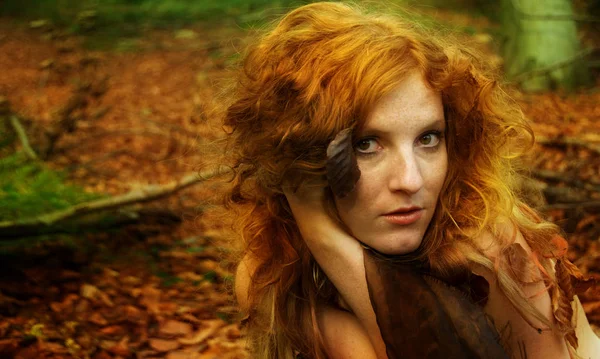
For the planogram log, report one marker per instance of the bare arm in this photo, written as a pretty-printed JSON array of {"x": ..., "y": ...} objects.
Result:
[
  {"x": 341, "y": 258},
  {"x": 345, "y": 337}
]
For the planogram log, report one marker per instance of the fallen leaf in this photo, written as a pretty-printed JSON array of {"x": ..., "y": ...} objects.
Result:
[
  {"x": 8, "y": 346},
  {"x": 189, "y": 317},
  {"x": 131, "y": 280},
  {"x": 190, "y": 276},
  {"x": 121, "y": 348},
  {"x": 168, "y": 308},
  {"x": 182, "y": 354},
  {"x": 135, "y": 292},
  {"x": 207, "y": 265},
  {"x": 67, "y": 303},
  {"x": 232, "y": 331},
  {"x": 55, "y": 306},
  {"x": 113, "y": 330},
  {"x": 82, "y": 306},
  {"x": 151, "y": 299},
  {"x": 103, "y": 355},
  {"x": 133, "y": 314},
  {"x": 97, "y": 319},
  {"x": 54, "y": 348},
  {"x": 591, "y": 307},
  {"x": 30, "y": 352},
  {"x": 93, "y": 293},
  {"x": 163, "y": 345},
  {"x": 111, "y": 273},
  {"x": 174, "y": 327},
  {"x": 67, "y": 274},
  {"x": 210, "y": 328}
]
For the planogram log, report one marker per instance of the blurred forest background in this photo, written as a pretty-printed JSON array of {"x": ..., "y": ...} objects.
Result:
[{"x": 106, "y": 247}]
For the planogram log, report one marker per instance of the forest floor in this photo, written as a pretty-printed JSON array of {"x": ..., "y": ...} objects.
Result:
[{"x": 159, "y": 289}]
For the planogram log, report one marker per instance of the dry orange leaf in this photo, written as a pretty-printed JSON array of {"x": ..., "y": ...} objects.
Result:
[
  {"x": 209, "y": 329},
  {"x": 232, "y": 331},
  {"x": 112, "y": 330},
  {"x": 133, "y": 314},
  {"x": 183, "y": 354},
  {"x": 8, "y": 345},
  {"x": 591, "y": 307},
  {"x": 98, "y": 319},
  {"x": 151, "y": 300},
  {"x": 93, "y": 293},
  {"x": 121, "y": 348},
  {"x": 103, "y": 355},
  {"x": 163, "y": 345},
  {"x": 175, "y": 327}
]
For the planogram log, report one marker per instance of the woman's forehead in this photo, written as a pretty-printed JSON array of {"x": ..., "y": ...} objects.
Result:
[{"x": 412, "y": 100}]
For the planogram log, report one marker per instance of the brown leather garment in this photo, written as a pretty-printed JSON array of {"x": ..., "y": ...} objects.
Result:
[{"x": 421, "y": 317}]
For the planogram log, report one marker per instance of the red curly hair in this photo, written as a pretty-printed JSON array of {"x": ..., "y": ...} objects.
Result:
[{"x": 321, "y": 69}]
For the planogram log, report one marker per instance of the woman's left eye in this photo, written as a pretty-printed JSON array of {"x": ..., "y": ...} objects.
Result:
[{"x": 430, "y": 139}]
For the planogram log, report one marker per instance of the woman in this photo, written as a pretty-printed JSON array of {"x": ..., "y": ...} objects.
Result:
[{"x": 428, "y": 176}]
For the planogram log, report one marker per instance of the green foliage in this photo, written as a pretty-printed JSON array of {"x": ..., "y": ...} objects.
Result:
[
  {"x": 7, "y": 136},
  {"x": 115, "y": 24},
  {"x": 168, "y": 279},
  {"x": 29, "y": 188},
  {"x": 226, "y": 317},
  {"x": 128, "y": 15},
  {"x": 211, "y": 276},
  {"x": 197, "y": 249}
]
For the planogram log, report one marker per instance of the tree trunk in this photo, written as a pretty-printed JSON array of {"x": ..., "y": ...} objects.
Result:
[{"x": 542, "y": 50}]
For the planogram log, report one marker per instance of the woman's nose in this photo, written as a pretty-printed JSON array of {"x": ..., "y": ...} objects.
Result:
[{"x": 404, "y": 173}]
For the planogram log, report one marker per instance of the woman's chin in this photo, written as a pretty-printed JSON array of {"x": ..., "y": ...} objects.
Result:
[{"x": 395, "y": 247}]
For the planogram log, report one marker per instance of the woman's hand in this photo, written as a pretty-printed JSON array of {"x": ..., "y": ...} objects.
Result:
[
  {"x": 339, "y": 255},
  {"x": 321, "y": 232}
]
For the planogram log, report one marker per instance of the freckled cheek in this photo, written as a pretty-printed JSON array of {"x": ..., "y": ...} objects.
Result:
[{"x": 439, "y": 173}]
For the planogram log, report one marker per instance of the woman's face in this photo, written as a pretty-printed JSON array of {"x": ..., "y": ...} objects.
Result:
[{"x": 401, "y": 152}]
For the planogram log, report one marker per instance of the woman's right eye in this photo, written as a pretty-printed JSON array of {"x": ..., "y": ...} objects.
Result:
[{"x": 367, "y": 146}]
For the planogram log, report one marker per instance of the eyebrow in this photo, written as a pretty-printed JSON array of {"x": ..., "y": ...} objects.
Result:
[{"x": 431, "y": 125}]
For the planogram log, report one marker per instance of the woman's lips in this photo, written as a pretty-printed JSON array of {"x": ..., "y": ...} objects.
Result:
[{"x": 404, "y": 217}]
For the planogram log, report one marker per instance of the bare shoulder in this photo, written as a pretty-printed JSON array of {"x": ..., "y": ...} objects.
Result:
[
  {"x": 519, "y": 334},
  {"x": 344, "y": 336}
]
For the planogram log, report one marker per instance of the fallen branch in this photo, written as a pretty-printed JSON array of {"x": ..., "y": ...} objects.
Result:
[
  {"x": 559, "y": 177},
  {"x": 29, "y": 152},
  {"x": 12, "y": 229},
  {"x": 104, "y": 221},
  {"x": 574, "y": 205},
  {"x": 558, "y": 17},
  {"x": 564, "y": 195},
  {"x": 4, "y": 106},
  {"x": 64, "y": 122},
  {"x": 566, "y": 141},
  {"x": 519, "y": 78}
]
